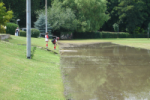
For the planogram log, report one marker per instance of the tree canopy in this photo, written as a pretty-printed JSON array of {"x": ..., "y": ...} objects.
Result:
[
  {"x": 61, "y": 18},
  {"x": 89, "y": 15},
  {"x": 78, "y": 15},
  {"x": 5, "y": 16},
  {"x": 130, "y": 13},
  {"x": 19, "y": 9},
  {"x": 40, "y": 24}
]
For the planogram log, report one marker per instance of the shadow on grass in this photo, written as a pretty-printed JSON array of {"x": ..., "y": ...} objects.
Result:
[{"x": 33, "y": 52}]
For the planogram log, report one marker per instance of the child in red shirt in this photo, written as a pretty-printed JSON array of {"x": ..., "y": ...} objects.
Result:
[{"x": 46, "y": 39}]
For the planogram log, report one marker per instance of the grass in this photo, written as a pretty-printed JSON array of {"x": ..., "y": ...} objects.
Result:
[
  {"x": 133, "y": 42},
  {"x": 29, "y": 79},
  {"x": 34, "y": 41}
]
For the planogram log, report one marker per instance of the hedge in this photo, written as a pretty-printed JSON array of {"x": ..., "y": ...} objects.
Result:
[
  {"x": 34, "y": 33},
  {"x": 91, "y": 35},
  {"x": 23, "y": 33},
  {"x": 11, "y": 27}
]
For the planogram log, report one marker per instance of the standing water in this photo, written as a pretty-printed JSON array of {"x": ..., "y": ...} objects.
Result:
[{"x": 105, "y": 72}]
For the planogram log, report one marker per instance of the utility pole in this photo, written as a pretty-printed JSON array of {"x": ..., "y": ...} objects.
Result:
[
  {"x": 28, "y": 26},
  {"x": 45, "y": 16}
]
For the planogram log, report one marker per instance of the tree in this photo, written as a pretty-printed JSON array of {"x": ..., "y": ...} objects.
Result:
[
  {"x": 113, "y": 15},
  {"x": 40, "y": 24},
  {"x": 5, "y": 16},
  {"x": 61, "y": 18},
  {"x": 148, "y": 29},
  {"x": 116, "y": 27},
  {"x": 19, "y": 9},
  {"x": 130, "y": 13},
  {"x": 91, "y": 14},
  {"x": 146, "y": 10}
]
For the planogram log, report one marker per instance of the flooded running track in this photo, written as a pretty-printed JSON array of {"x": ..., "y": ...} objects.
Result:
[{"x": 105, "y": 72}]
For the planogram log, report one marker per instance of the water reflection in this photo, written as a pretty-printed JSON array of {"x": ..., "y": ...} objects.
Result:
[{"x": 106, "y": 72}]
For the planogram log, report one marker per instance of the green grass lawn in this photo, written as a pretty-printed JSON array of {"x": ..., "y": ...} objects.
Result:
[
  {"x": 29, "y": 79},
  {"x": 34, "y": 41}
]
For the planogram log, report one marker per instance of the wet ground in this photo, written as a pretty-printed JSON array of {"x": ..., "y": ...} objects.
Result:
[{"x": 105, "y": 71}]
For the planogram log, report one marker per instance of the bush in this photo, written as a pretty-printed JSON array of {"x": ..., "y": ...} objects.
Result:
[
  {"x": 2, "y": 29},
  {"x": 23, "y": 33},
  {"x": 116, "y": 27},
  {"x": 35, "y": 33},
  {"x": 88, "y": 35},
  {"x": 11, "y": 27}
]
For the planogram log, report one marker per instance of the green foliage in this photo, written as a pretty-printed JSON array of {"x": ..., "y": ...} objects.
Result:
[
  {"x": 61, "y": 18},
  {"x": 92, "y": 35},
  {"x": 19, "y": 9},
  {"x": 35, "y": 33},
  {"x": 2, "y": 29},
  {"x": 91, "y": 14},
  {"x": 113, "y": 15},
  {"x": 130, "y": 13},
  {"x": 5, "y": 16},
  {"x": 40, "y": 23},
  {"x": 11, "y": 27},
  {"x": 146, "y": 10},
  {"x": 137, "y": 30},
  {"x": 76, "y": 15},
  {"x": 116, "y": 27},
  {"x": 23, "y": 33},
  {"x": 149, "y": 25}
]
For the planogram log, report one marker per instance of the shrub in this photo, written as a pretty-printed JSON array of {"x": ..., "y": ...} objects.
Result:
[
  {"x": 11, "y": 27},
  {"x": 88, "y": 35},
  {"x": 116, "y": 27},
  {"x": 2, "y": 29},
  {"x": 35, "y": 33},
  {"x": 23, "y": 33},
  {"x": 40, "y": 24}
]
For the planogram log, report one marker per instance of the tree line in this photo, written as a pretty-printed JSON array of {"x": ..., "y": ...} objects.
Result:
[{"x": 86, "y": 15}]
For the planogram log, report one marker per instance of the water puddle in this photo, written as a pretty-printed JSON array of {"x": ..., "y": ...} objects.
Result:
[{"x": 106, "y": 72}]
